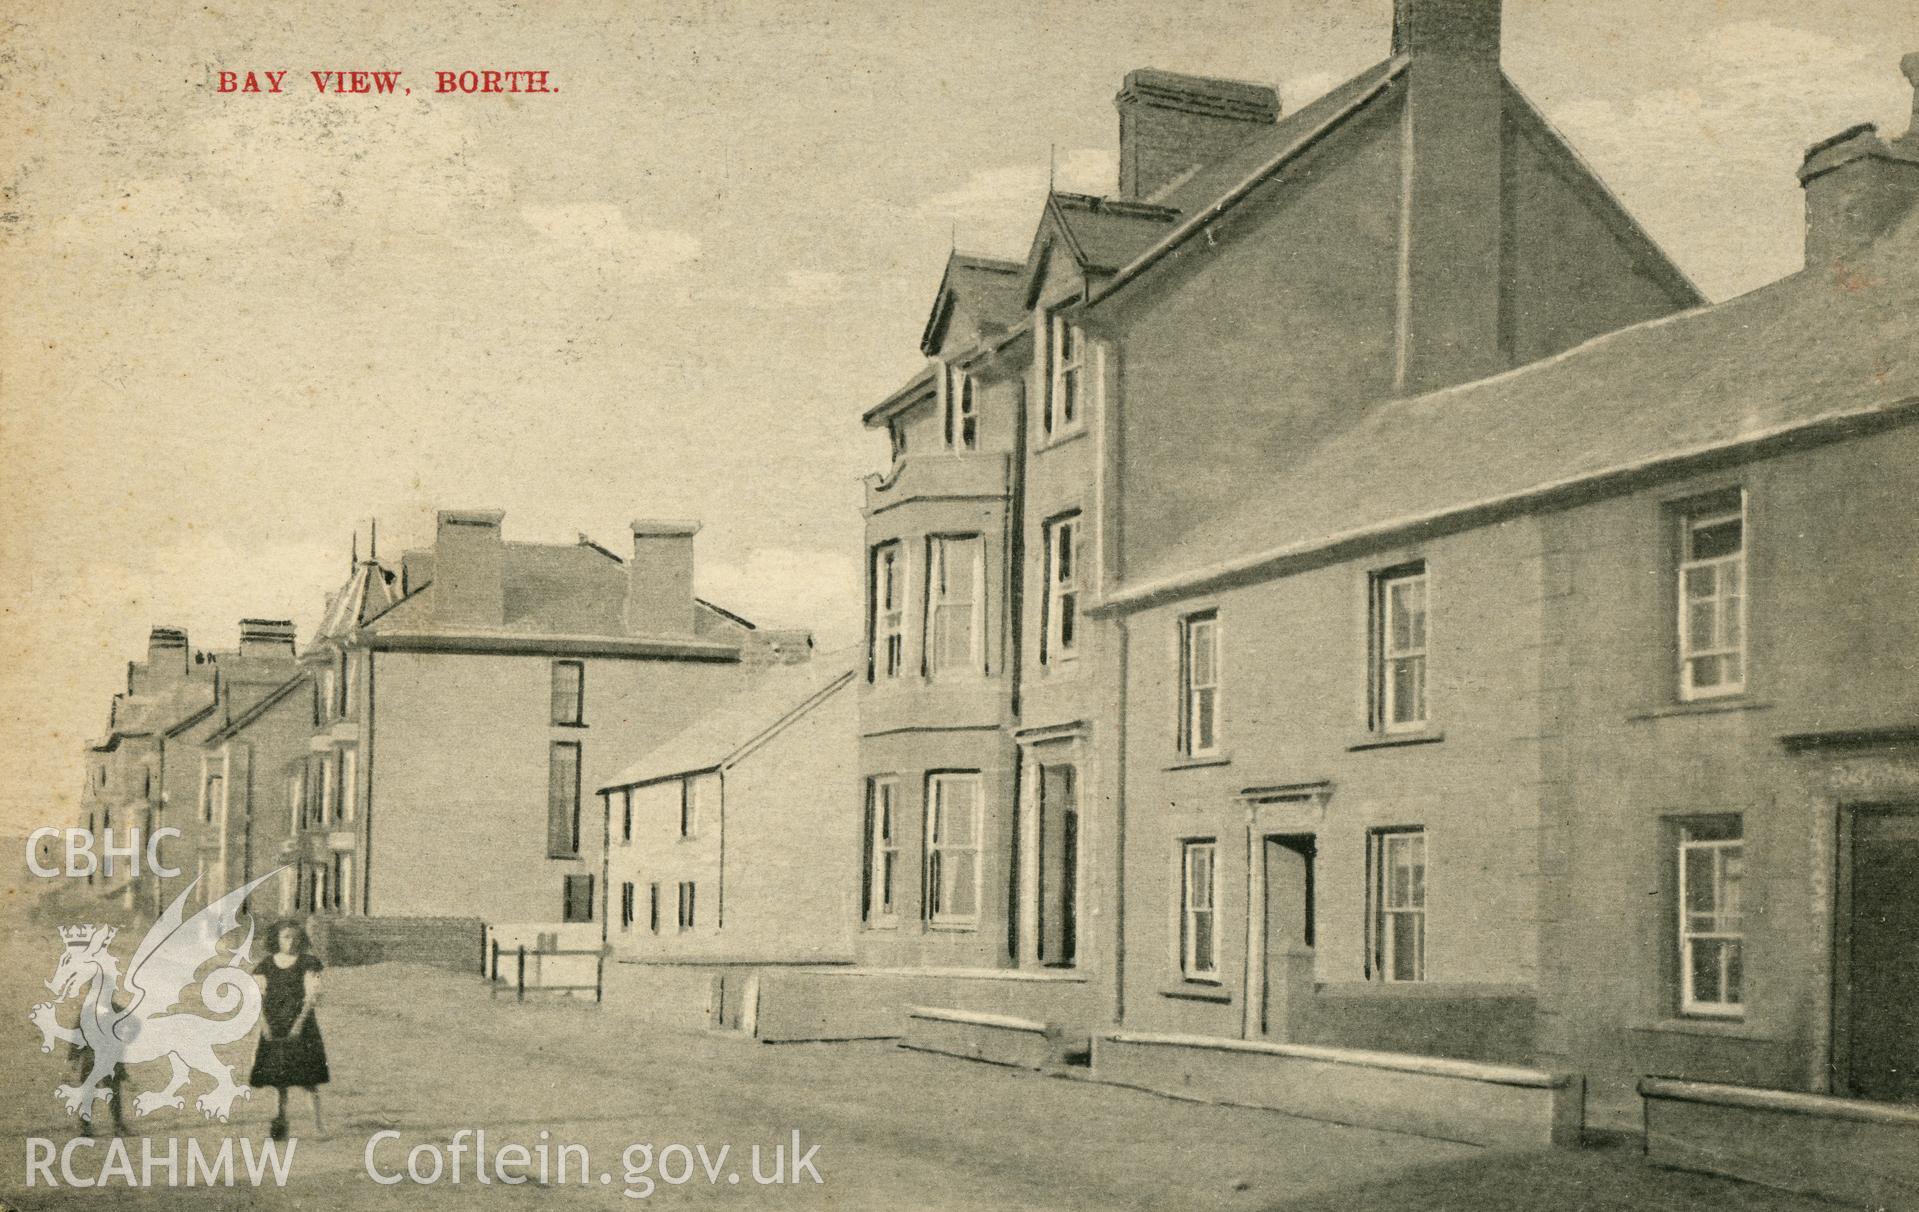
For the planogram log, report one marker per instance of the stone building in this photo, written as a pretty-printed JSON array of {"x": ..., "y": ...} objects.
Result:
[
  {"x": 1162, "y": 360},
  {"x": 146, "y": 773},
  {"x": 730, "y": 842},
  {"x": 466, "y": 709}
]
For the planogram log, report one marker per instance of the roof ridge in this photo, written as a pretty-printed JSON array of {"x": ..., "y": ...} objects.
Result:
[
  {"x": 991, "y": 264},
  {"x": 1388, "y": 72},
  {"x": 1102, "y": 203}
]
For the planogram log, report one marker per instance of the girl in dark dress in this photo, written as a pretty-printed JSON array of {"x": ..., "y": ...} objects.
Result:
[{"x": 290, "y": 1052}]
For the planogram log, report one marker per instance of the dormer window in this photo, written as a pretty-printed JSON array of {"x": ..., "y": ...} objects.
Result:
[
  {"x": 1065, "y": 404},
  {"x": 962, "y": 411}
]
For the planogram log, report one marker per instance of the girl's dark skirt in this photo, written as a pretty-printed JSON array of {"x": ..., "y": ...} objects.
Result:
[{"x": 298, "y": 1060}]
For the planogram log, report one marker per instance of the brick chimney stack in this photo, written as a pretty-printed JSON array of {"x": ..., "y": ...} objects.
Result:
[
  {"x": 659, "y": 578},
  {"x": 1452, "y": 272},
  {"x": 1170, "y": 124},
  {"x": 167, "y": 653},
  {"x": 1858, "y": 185},
  {"x": 266, "y": 637},
  {"x": 469, "y": 567}
]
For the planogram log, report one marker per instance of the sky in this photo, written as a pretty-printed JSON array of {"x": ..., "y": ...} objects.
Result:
[{"x": 236, "y": 327}]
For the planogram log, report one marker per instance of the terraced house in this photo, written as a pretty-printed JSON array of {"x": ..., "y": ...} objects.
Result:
[
  {"x": 1101, "y": 416},
  {"x": 466, "y": 709},
  {"x": 147, "y": 772}
]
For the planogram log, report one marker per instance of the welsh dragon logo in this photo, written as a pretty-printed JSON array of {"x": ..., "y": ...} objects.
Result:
[{"x": 162, "y": 968}]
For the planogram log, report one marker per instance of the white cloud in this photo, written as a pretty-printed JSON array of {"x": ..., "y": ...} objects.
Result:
[
  {"x": 995, "y": 209},
  {"x": 601, "y": 229},
  {"x": 1686, "y": 159}
]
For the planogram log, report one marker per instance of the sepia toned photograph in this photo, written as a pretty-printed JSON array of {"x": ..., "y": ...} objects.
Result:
[{"x": 1250, "y": 607}]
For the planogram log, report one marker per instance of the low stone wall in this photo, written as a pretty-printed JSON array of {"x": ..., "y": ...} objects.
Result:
[
  {"x": 999, "y": 1039},
  {"x": 446, "y": 942},
  {"x": 873, "y": 1003},
  {"x": 1473, "y": 1103},
  {"x": 1861, "y": 1153},
  {"x": 1479, "y": 1023}
]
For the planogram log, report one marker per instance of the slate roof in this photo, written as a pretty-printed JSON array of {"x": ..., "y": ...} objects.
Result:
[
  {"x": 169, "y": 710},
  {"x": 1105, "y": 233},
  {"x": 260, "y": 707},
  {"x": 368, "y": 591},
  {"x": 745, "y": 721},
  {"x": 990, "y": 290},
  {"x": 550, "y": 589},
  {"x": 1819, "y": 348},
  {"x": 1117, "y": 240}
]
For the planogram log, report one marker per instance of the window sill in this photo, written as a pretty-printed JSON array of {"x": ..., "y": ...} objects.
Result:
[
  {"x": 1055, "y": 440},
  {"x": 885, "y": 927},
  {"x": 1200, "y": 761},
  {"x": 1390, "y": 740},
  {"x": 1199, "y": 992},
  {"x": 1722, "y": 1028},
  {"x": 557, "y": 724},
  {"x": 953, "y": 927},
  {"x": 1700, "y": 707}
]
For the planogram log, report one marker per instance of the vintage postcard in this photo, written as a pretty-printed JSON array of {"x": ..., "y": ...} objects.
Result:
[{"x": 1082, "y": 605}]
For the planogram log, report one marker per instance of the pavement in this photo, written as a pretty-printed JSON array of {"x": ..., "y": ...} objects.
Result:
[{"x": 424, "y": 1053}]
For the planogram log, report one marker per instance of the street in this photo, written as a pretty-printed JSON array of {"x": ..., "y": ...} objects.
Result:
[{"x": 421, "y": 1054}]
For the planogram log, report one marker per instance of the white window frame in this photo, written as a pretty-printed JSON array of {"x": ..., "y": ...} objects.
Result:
[
  {"x": 1062, "y": 554},
  {"x": 341, "y": 881},
  {"x": 940, "y": 849},
  {"x": 1065, "y": 372},
  {"x": 349, "y": 783},
  {"x": 1728, "y": 607},
  {"x": 1195, "y": 913},
  {"x": 689, "y": 905},
  {"x": 961, "y": 410},
  {"x": 576, "y": 706},
  {"x": 1724, "y": 924},
  {"x": 883, "y": 850},
  {"x": 691, "y": 805},
  {"x": 889, "y": 610},
  {"x": 940, "y": 602},
  {"x": 1389, "y": 655},
  {"x": 1195, "y": 690},
  {"x": 1392, "y": 914},
  {"x": 213, "y": 786},
  {"x": 327, "y": 789}
]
